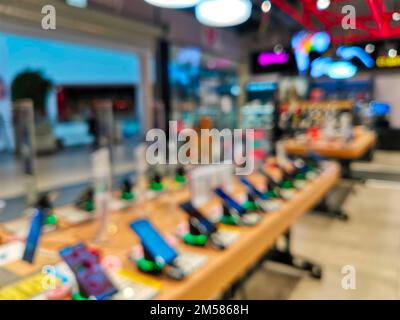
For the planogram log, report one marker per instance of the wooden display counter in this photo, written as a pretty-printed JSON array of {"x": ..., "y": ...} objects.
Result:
[
  {"x": 220, "y": 270},
  {"x": 362, "y": 143}
]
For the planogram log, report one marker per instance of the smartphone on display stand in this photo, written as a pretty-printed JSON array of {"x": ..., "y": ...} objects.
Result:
[
  {"x": 153, "y": 242},
  {"x": 91, "y": 278},
  {"x": 206, "y": 225},
  {"x": 34, "y": 234}
]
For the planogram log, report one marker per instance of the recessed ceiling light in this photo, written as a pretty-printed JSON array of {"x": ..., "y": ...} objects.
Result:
[
  {"x": 396, "y": 16},
  {"x": 173, "y": 4},
  {"x": 266, "y": 6},
  {"x": 323, "y": 4},
  {"x": 369, "y": 48},
  {"x": 392, "y": 53},
  {"x": 223, "y": 13}
]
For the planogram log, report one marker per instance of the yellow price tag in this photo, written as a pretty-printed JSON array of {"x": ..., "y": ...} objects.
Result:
[
  {"x": 26, "y": 288},
  {"x": 139, "y": 278}
]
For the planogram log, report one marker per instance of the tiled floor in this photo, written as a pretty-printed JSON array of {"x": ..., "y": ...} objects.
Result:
[{"x": 370, "y": 242}]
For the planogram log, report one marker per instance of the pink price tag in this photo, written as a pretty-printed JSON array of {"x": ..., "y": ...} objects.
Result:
[
  {"x": 60, "y": 293},
  {"x": 182, "y": 229},
  {"x": 111, "y": 263}
]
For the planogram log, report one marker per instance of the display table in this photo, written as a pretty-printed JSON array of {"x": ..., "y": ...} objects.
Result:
[
  {"x": 220, "y": 270},
  {"x": 362, "y": 143}
]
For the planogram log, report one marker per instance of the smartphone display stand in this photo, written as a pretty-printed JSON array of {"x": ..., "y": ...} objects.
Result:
[
  {"x": 251, "y": 203},
  {"x": 147, "y": 264},
  {"x": 180, "y": 175},
  {"x": 44, "y": 203},
  {"x": 126, "y": 190},
  {"x": 195, "y": 236},
  {"x": 85, "y": 201},
  {"x": 156, "y": 183},
  {"x": 228, "y": 217}
]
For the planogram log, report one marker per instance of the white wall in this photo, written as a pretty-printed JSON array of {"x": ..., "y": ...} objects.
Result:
[{"x": 387, "y": 89}]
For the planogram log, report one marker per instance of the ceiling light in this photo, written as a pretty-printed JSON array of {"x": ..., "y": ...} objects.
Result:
[
  {"x": 77, "y": 3},
  {"x": 342, "y": 70},
  {"x": 369, "y": 48},
  {"x": 173, "y": 4},
  {"x": 396, "y": 16},
  {"x": 323, "y": 4},
  {"x": 223, "y": 13},
  {"x": 392, "y": 53},
  {"x": 266, "y": 6}
]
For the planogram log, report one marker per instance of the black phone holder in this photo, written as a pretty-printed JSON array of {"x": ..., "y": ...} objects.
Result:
[
  {"x": 180, "y": 174},
  {"x": 229, "y": 217},
  {"x": 85, "y": 200},
  {"x": 126, "y": 190},
  {"x": 45, "y": 204},
  {"x": 198, "y": 236},
  {"x": 156, "y": 182}
]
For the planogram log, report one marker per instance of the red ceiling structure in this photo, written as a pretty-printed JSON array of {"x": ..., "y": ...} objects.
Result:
[{"x": 373, "y": 19}]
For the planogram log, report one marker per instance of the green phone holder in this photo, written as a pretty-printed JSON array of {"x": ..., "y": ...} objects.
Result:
[
  {"x": 272, "y": 194},
  {"x": 128, "y": 196},
  {"x": 198, "y": 240},
  {"x": 300, "y": 176},
  {"x": 287, "y": 184},
  {"x": 149, "y": 266},
  {"x": 156, "y": 186},
  {"x": 180, "y": 178},
  {"x": 229, "y": 220},
  {"x": 77, "y": 296},
  {"x": 51, "y": 219},
  {"x": 89, "y": 206},
  {"x": 250, "y": 205}
]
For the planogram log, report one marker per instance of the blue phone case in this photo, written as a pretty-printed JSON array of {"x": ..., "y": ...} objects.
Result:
[
  {"x": 230, "y": 202},
  {"x": 253, "y": 190},
  {"x": 153, "y": 242},
  {"x": 33, "y": 238}
]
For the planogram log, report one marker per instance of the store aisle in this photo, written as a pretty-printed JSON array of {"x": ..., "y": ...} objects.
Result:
[{"x": 370, "y": 242}]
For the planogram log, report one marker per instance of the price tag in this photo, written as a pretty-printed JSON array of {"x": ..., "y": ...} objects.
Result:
[
  {"x": 189, "y": 262},
  {"x": 11, "y": 252},
  {"x": 134, "y": 286},
  {"x": 74, "y": 216},
  {"x": 227, "y": 236},
  {"x": 24, "y": 289}
]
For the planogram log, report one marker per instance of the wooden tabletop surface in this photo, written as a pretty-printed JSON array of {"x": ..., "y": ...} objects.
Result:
[{"x": 363, "y": 141}]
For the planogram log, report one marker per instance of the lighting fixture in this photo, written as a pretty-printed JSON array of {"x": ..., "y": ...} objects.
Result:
[
  {"x": 392, "y": 53},
  {"x": 337, "y": 70},
  {"x": 266, "y": 6},
  {"x": 323, "y": 4},
  {"x": 173, "y": 4},
  {"x": 304, "y": 42},
  {"x": 77, "y": 3},
  {"x": 369, "y": 48},
  {"x": 270, "y": 58},
  {"x": 342, "y": 70},
  {"x": 223, "y": 13},
  {"x": 349, "y": 53},
  {"x": 396, "y": 16}
]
